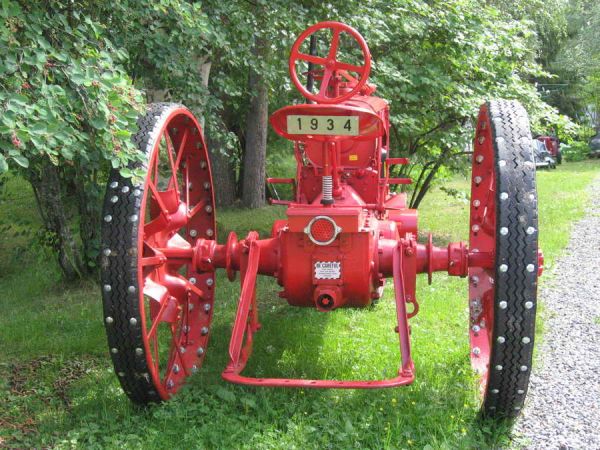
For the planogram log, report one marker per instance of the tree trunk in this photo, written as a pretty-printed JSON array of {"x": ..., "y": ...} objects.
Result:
[
  {"x": 89, "y": 206},
  {"x": 48, "y": 195},
  {"x": 253, "y": 186},
  {"x": 223, "y": 171}
]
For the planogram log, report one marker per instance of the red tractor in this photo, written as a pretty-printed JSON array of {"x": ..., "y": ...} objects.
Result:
[
  {"x": 344, "y": 235},
  {"x": 553, "y": 146}
]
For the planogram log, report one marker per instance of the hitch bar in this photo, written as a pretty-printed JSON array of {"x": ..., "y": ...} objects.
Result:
[{"x": 246, "y": 323}]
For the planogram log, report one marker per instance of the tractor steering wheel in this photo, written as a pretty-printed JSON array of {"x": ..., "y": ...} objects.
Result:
[{"x": 330, "y": 63}]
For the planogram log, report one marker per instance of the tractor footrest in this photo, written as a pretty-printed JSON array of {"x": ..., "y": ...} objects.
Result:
[{"x": 400, "y": 380}]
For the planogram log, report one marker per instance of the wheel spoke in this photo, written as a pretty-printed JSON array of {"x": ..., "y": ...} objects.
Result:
[
  {"x": 335, "y": 42},
  {"x": 312, "y": 58},
  {"x": 350, "y": 67},
  {"x": 197, "y": 208},
  {"x": 170, "y": 150},
  {"x": 181, "y": 149}
]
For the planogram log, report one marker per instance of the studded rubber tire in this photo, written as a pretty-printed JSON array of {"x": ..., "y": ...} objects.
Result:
[
  {"x": 502, "y": 335},
  {"x": 122, "y": 291}
]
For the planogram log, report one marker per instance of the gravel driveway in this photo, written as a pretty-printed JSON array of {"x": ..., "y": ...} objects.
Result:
[{"x": 563, "y": 404}]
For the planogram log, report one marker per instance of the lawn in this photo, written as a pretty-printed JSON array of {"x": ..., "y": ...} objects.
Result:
[{"x": 58, "y": 387}]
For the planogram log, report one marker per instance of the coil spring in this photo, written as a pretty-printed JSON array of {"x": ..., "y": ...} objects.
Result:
[{"x": 327, "y": 187}]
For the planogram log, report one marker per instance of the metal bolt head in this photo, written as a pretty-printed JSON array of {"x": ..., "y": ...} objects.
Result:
[
  {"x": 476, "y": 328},
  {"x": 139, "y": 351},
  {"x": 476, "y": 351},
  {"x": 481, "y": 139},
  {"x": 114, "y": 184},
  {"x": 526, "y": 340},
  {"x": 204, "y": 331},
  {"x": 200, "y": 351},
  {"x": 517, "y": 408},
  {"x": 475, "y": 279},
  {"x": 499, "y": 367},
  {"x": 503, "y": 231},
  {"x": 500, "y": 339},
  {"x": 193, "y": 233},
  {"x": 194, "y": 368},
  {"x": 193, "y": 280},
  {"x": 125, "y": 189},
  {"x": 475, "y": 228},
  {"x": 479, "y": 159},
  {"x": 203, "y": 164},
  {"x": 109, "y": 320},
  {"x": 523, "y": 368},
  {"x": 175, "y": 368},
  {"x": 114, "y": 199},
  {"x": 107, "y": 252},
  {"x": 114, "y": 351},
  {"x": 477, "y": 180},
  {"x": 210, "y": 232},
  {"x": 133, "y": 321},
  {"x": 170, "y": 384},
  {"x": 530, "y": 230},
  {"x": 207, "y": 307},
  {"x": 494, "y": 391},
  {"x": 182, "y": 349},
  {"x": 210, "y": 281},
  {"x": 503, "y": 195},
  {"x": 530, "y": 268},
  {"x": 208, "y": 208},
  {"x": 107, "y": 288},
  {"x": 502, "y": 304},
  {"x": 476, "y": 203},
  {"x": 503, "y": 268},
  {"x": 528, "y": 305},
  {"x": 131, "y": 289},
  {"x": 137, "y": 192},
  {"x": 107, "y": 218},
  {"x": 206, "y": 185}
]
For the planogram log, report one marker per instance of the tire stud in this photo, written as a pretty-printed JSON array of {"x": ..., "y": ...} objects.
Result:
[
  {"x": 109, "y": 320},
  {"x": 530, "y": 230},
  {"x": 114, "y": 184},
  {"x": 121, "y": 374},
  {"x": 125, "y": 189},
  {"x": 501, "y": 163},
  {"x": 500, "y": 339},
  {"x": 133, "y": 321},
  {"x": 106, "y": 252},
  {"x": 114, "y": 199},
  {"x": 137, "y": 192},
  {"x": 494, "y": 391},
  {"x": 528, "y": 305},
  {"x": 503, "y": 231},
  {"x": 502, "y": 304},
  {"x": 499, "y": 367},
  {"x": 131, "y": 289},
  {"x": 503, "y": 195},
  {"x": 107, "y": 218},
  {"x": 107, "y": 288},
  {"x": 530, "y": 268},
  {"x": 133, "y": 218},
  {"x": 139, "y": 351},
  {"x": 114, "y": 350},
  {"x": 523, "y": 368},
  {"x": 520, "y": 392},
  {"x": 526, "y": 340},
  {"x": 503, "y": 268}
]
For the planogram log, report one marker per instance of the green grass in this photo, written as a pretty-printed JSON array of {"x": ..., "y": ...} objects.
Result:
[{"x": 59, "y": 390}]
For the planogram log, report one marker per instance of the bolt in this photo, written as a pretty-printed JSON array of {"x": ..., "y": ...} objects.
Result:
[
  {"x": 193, "y": 280},
  {"x": 481, "y": 139},
  {"x": 206, "y": 185},
  {"x": 121, "y": 374},
  {"x": 210, "y": 232},
  {"x": 208, "y": 208},
  {"x": 193, "y": 233},
  {"x": 190, "y": 186},
  {"x": 114, "y": 184},
  {"x": 139, "y": 351},
  {"x": 109, "y": 320},
  {"x": 503, "y": 195},
  {"x": 475, "y": 228},
  {"x": 501, "y": 340},
  {"x": 107, "y": 288},
  {"x": 194, "y": 368},
  {"x": 114, "y": 199},
  {"x": 526, "y": 340},
  {"x": 182, "y": 349},
  {"x": 528, "y": 305},
  {"x": 170, "y": 384},
  {"x": 125, "y": 189},
  {"x": 200, "y": 351},
  {"x": 477, "y": 180},
  {"x": 530, "y": 267},
  {"x": 175, "y": 369},
  {"x": 191, "y": 307},
  {"x": 530, "y": 230},
  {"x": 503, "y": 231},
  {"x": 114, "y": 351},
  {"x": 106, "y": 252},
  {"x": 475, "y": 279},
  {"x": 131, "y": 289},
  {"x": 503, "y": 267},
  {"x": 476, "y": 351},
  {"x": 523, "y": 368},
  {"x": 203, "y": 164},
  {"x": 476, "y": 203},
  {"x": 479, "y": 159},
  {"x": 499, "y": 367},
  {"x": 133, "y": 321},
  {"x": 210, "y": 282},
  {"x": 503, "y": 304},
  {"x": 107, "y": 218},
  {"x": 207, "y": 307},
  {"x": 476, "y": 328},
  {"x": 204, "y": 331}
]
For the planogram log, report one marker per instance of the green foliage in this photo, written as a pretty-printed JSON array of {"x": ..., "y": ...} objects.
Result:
[
  {"x": 576, "y": 151},
  {"x": 63, "y": 95}
]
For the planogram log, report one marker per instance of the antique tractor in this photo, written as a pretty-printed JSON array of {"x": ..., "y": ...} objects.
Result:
[{"x": 344, "y": 235}]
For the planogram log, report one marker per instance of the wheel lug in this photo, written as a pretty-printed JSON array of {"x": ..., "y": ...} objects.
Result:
[{"x": 193, "y": 233}]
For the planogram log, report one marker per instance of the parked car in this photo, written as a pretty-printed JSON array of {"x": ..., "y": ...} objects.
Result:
[
  {"x": 595, "y": 146},
  {"x": 542, "y": 156},
  {"x": 553, "y": 146}
]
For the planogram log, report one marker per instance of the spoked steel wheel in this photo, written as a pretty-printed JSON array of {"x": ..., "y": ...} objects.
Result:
[
  {"x": 157, "y": 309},
  {"x": 503, "y": 224}
]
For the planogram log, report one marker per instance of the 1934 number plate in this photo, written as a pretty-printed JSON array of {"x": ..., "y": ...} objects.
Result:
[{"x": 326, "y": 125}]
